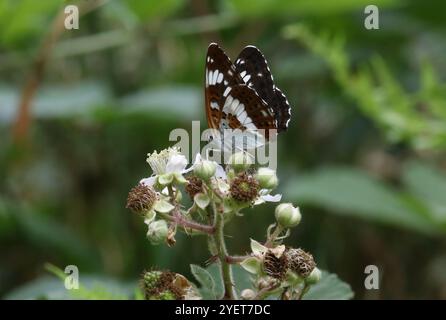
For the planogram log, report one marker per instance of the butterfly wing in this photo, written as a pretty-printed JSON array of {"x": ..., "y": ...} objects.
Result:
[
  {"x": 254, "y": 70},
  {"x": 220, "y": 75}
]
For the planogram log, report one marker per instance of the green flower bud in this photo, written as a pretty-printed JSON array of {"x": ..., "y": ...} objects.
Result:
[
  {"x": 157, "y": 232},
  {"x": 240, "y": 161},
  {"x": 287, "y": 216},
  {"x": 205, "y": 169},
  {"x": 314, "y": 277},
  {"x": 267, "y": 178}
]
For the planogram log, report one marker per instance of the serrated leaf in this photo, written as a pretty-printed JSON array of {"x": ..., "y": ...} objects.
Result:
[
  {"x": 208, "y": 288},
  {"x": 330, "y": 287}
]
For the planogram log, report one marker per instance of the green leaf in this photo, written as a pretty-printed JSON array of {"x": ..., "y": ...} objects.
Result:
[
  {"x": 208, "y": 288},
  {"x": 427, "y": 184},
  {"x": 330, "y": 287},
  {"x": 353, "y": 192},
  {"x": 90, "y": 287}
]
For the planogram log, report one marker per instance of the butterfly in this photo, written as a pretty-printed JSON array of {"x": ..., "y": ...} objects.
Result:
[{"x": 242, "y": 96}]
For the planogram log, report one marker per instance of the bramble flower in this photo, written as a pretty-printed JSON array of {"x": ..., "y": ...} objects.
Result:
[{"x": 168, "y": 166}]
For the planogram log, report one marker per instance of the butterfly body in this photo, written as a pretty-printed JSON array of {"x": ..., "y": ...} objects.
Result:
[{"x": 242, "y": 96}]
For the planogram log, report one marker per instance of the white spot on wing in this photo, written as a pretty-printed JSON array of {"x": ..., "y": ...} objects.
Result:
[
  {"x": 233, "y": 105},
  {"x": 242, "y": 74},
  {"x": 227, "y": 103},
  {"x": 220, "y": 77},
  {"x": 210, "y": 77},
  {"x": 214, "y": 77},
  {"x": 227, "y": 90},
  {"x": 246, "y": 79},
  {"x": 214, "y": 105},
  {"x": 242, "y": 116}
]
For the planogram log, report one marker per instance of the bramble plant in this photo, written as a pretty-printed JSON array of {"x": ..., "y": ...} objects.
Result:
[{"x": 218, "y": 196}]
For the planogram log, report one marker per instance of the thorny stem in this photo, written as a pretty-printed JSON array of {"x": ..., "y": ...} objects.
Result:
[
  {"x": 222, "y": 252},
  {"x": 180, "y": 220},
  {"x": 236, "y": 259}
]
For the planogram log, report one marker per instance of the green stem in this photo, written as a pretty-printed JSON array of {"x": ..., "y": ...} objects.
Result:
[{"x": 222, "y": 252}]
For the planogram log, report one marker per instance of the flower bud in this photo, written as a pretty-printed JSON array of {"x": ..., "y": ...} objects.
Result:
[
  {"x": 267, "y": 178},
  {"x": 287, "y": 216},
  {"x": 158, "y": 231},
  {"x": 205, "y": 169},
  {"x": 314, "y": 277},
  {"x": 240, "y": 161},
  {"x": 247, "y": 294}
]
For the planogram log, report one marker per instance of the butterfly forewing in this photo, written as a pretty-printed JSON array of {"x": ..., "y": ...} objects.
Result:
[
  {"x": 221, "y": 76},
  {"x": 254, "y": 70}
]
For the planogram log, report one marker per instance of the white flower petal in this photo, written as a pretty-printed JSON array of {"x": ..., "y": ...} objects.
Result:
[
  {"x": 220, "y": 172},
  {"x": 272, "y": 198},
  {"x": 150, "y": 181},
  {"x": 176, "y": 163}
]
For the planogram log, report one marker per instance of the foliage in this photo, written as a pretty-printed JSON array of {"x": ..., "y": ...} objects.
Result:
[{"x": 417, "y": 117}]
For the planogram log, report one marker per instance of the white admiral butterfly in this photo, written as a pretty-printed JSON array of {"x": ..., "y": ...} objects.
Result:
[{"x": 242, "y": 95}]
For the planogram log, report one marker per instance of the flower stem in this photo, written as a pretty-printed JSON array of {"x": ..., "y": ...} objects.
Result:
[
  {"x": 180, "y": 220},
  {"x": 269, "y": 242},
  {"x": 226, "y": 270}
]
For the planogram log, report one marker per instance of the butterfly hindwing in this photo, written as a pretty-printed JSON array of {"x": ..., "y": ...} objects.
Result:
[{"x": 254, "y": 70}]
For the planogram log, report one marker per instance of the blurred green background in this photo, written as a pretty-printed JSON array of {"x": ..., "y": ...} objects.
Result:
[{"x": 364, "y": 156}]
